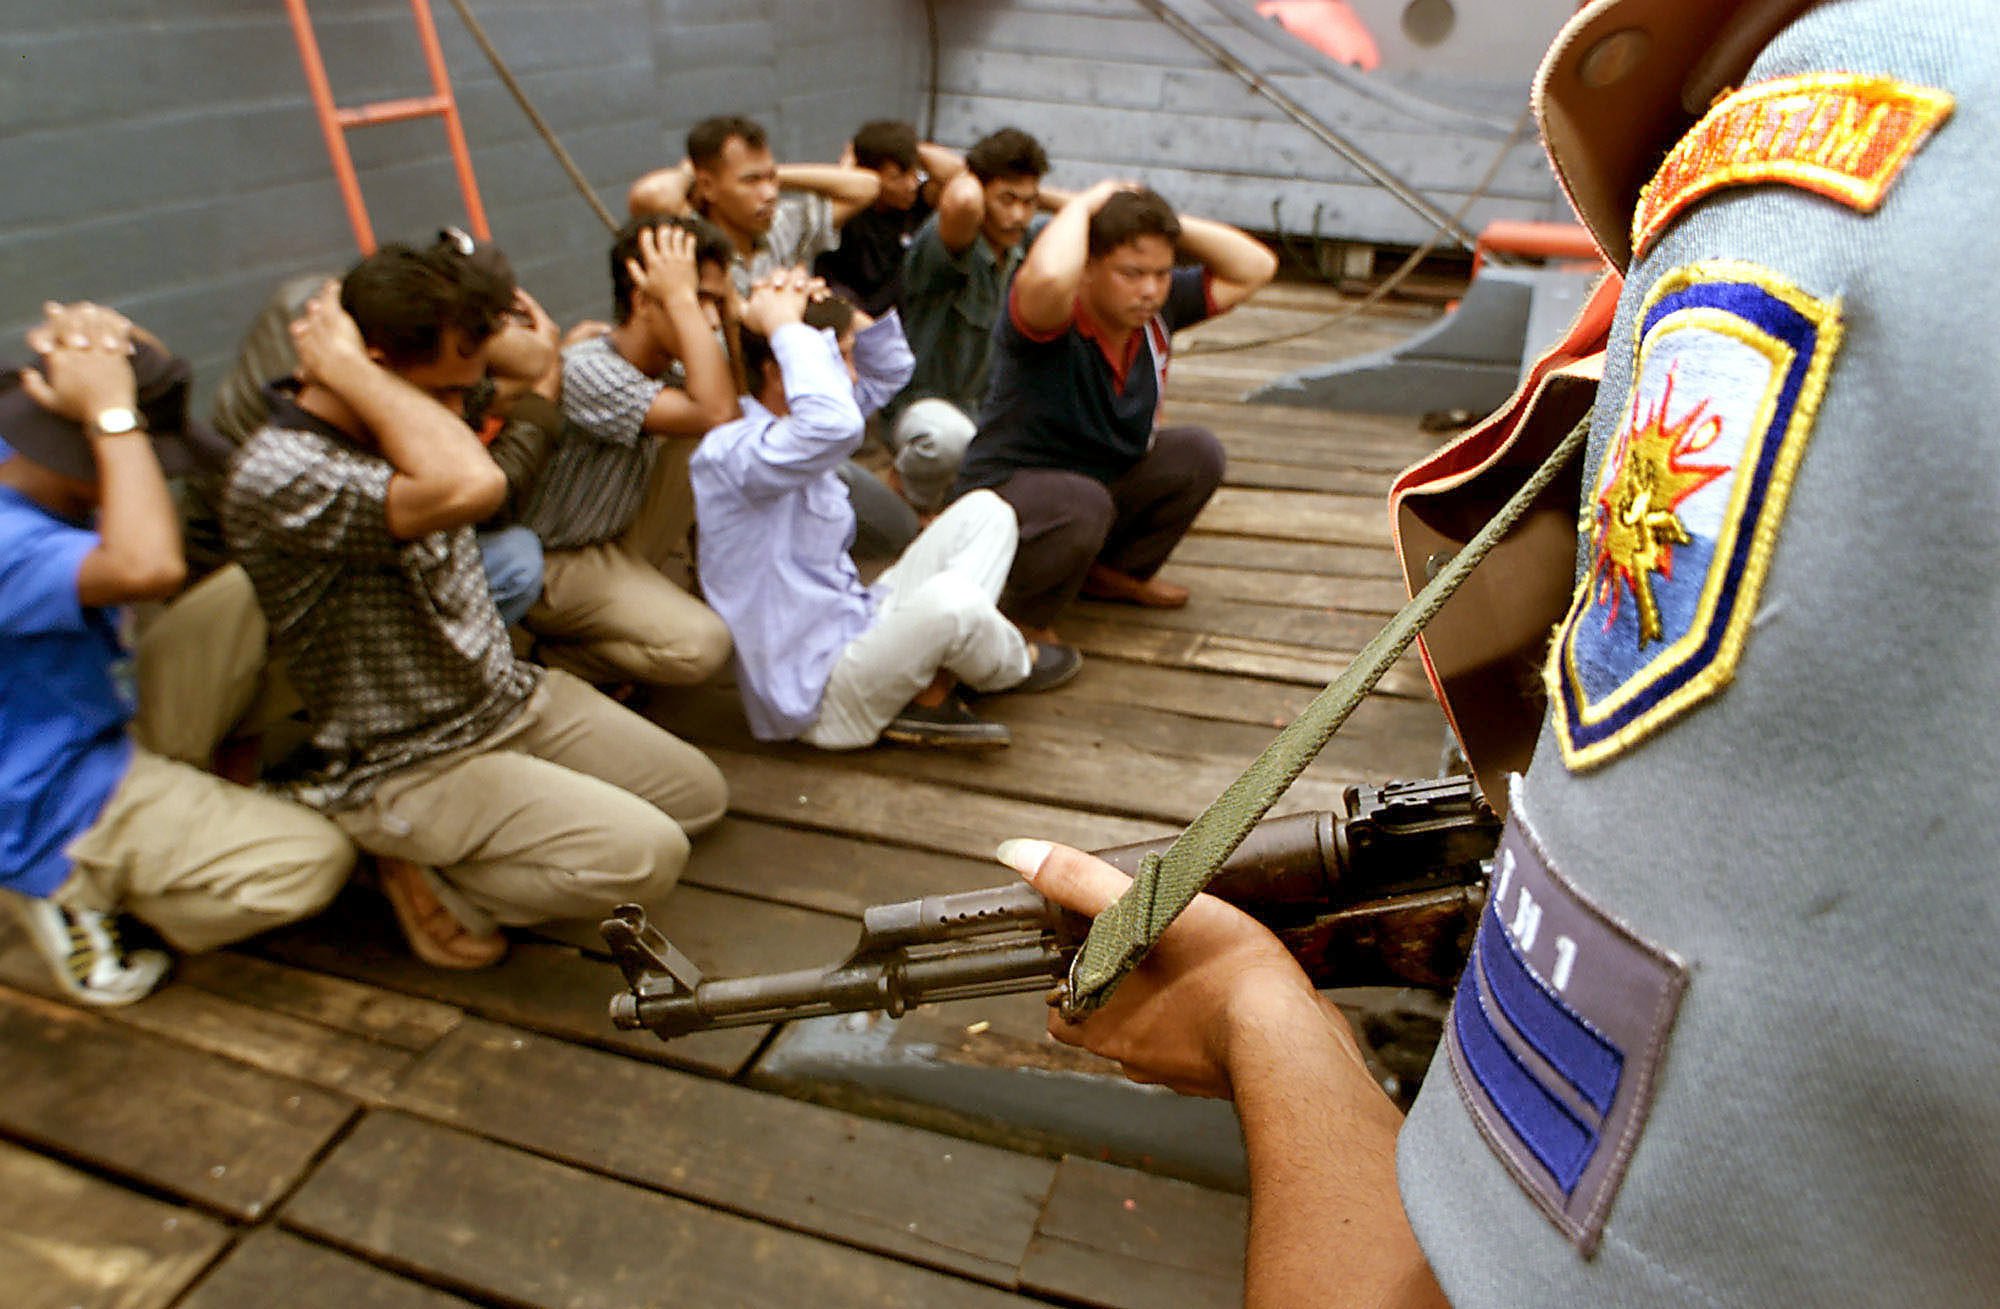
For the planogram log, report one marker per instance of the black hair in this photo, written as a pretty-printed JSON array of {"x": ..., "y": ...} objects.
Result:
[
  {"x": 711, "y": 246},
  {"x": 830, "y": 311},
  {"x": 1129, "y": 215},
  {"x": 756, "y": 353},
  {"x": 886, "y": 141},
  {"x": 706, "y": 139},
  {"x": 404, "y": 299},
  {"x": 1009, "y": 152}
]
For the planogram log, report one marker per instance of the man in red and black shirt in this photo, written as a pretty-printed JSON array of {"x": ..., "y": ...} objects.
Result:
[{"x": 1068, "y": 433}]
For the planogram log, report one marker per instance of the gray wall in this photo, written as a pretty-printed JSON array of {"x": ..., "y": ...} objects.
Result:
[
  {"x": 162, "y": 155},
  {"x": 1164, "y": 112}
]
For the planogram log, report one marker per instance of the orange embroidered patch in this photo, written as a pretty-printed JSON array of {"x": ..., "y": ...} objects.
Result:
[{"x": 1845, "y": 136}]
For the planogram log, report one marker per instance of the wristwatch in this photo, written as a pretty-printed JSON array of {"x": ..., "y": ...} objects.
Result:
[{"x": 115, "y": 422}]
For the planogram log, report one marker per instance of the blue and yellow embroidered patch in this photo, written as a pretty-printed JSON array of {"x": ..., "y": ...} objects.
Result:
[
  {"x": 1845, "y": 136},
  {"x": 1730, "y": 365}
]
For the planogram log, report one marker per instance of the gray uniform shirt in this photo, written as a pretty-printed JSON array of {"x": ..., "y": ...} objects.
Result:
[{"x": 1734, "y": 1038}]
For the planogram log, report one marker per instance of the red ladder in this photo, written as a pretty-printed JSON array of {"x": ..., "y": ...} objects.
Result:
[{"x": 335, "y": 122}]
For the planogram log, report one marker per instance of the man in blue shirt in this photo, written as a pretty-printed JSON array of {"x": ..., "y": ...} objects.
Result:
[
  {"x": 819, "y": 656},
  {"x": 90, "y": 822}
]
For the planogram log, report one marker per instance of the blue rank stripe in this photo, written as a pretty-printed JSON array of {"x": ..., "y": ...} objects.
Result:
[
  {"x": 1560, "y": 1141},
  {"x": 1551, "y": 1028}
]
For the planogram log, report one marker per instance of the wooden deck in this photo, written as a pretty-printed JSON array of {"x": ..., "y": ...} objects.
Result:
[{"x": 317, "y": 1120}]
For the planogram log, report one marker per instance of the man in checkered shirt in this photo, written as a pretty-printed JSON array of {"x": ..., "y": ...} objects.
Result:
[
  {"x": 612, "y": 505},
  {"x": 492, "y": 793}
]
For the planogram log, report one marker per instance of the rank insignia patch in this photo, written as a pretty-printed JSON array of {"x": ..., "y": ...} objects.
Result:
[
  {"x": 1684, "y": 511},
  {"x": 1557, "y": 1035},
  {"x": 1841, "y": 135}
]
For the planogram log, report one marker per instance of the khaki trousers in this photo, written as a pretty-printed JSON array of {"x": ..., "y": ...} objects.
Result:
[
  {"x": 620, "y": 611},
  {"x": 204, "y": 671},
  {"x": 580, "y": 806},
  {"x": 203, "y": 861}
]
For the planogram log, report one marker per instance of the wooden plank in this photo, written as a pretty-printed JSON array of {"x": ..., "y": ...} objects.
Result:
[
  {"x": 226, "y": 1136},
  {"x": 1305, "y": 477},
  {"x": 268, "y": 1267},
  {"x": 819, "y": 870},
  {"x": 68, "y": 1239},
  {"x": 1220, "y": 749},
  {"x": 450, "y": 1207},
  {"x": 541, "y": 985},
  {"x": 1288, "y": 556},
  {"x": 1394, "y": 733},
  {"x": 926, "y": 815},
  {"x": 403, "y": 1021},
  {"x": 276, "y": 1042},
  {"x": 1078, "y": 764},
  {"x": 1383, "y": 596},
  {"x": 1210, "y": 612},
  {"x": 1295, "y": 516},
  {"x": 1221, "y": 653},
  {"x": 935, "y": 1200},
  {"x": 1119, "y": 1238}
]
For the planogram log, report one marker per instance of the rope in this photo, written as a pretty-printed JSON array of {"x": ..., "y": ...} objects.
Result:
[
  {"x": 1125, "y": 933},
  {"x": 534, "y": 116},
  {"x": 1395, "y": 279}
]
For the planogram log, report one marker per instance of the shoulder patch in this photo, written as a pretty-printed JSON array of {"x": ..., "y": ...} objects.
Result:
[
  {"x": 1730, "y": 365},
  {"x": 1845, "y": 136},
  {"x": 1557, "y": 1034}
]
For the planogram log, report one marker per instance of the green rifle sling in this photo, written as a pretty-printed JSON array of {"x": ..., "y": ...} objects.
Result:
[{"x": 1167, "y": 883}]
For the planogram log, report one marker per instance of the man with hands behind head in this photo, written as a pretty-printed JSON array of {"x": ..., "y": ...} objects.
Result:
[
  {"x": 1069, "y": 435},
  {"x": 612, "y": 506},
  {"x": 491, "y": 792},
  {"x": 819, "y": 656},
  {"x": 92, "y": 824},
  {"x": 955, "y": 278}
]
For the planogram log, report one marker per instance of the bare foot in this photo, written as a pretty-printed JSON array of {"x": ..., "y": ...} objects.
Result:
[{"x": 1103, "y": 583}]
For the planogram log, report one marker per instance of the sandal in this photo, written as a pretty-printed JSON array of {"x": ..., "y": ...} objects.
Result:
[{"x": 434, "y": 934}]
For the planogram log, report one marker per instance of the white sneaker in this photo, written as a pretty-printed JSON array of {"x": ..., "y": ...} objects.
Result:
[{"x": 87, "y": 956}]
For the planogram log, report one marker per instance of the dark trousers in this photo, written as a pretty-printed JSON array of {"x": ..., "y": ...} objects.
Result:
[{"x": 1070, "y": 521}]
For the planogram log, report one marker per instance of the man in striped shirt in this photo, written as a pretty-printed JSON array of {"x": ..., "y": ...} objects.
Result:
[{"x": 613, "y": 506}]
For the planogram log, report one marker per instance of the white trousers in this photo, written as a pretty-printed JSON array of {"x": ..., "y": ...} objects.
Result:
[{"x": 935, "y": 609}]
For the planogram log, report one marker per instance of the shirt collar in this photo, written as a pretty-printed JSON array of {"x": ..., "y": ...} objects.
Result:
[{"x": 1091, "y": 330}]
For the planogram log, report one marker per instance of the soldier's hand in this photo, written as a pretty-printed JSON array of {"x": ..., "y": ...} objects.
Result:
[
  {"x": 325, "y": 337},
  {"x": 1174, "y": 1018},
  {"x": 86, "y": 361}
]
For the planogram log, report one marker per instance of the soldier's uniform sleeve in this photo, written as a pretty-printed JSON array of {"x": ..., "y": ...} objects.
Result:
[{"x": 1728, "y": 1036}]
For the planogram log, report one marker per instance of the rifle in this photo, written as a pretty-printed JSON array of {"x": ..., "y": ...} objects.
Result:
[{"x": 1387, "y": 894}]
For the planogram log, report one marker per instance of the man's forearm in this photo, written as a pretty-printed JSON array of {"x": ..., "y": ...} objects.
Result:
[
  {"x": 940, "y": 163},
  {"x": 1229, "y": 253},
  {"x": 1326, "y": 1224},
  {"x": 449, "y": 478},
  {"x": 1049, "y": 277},
  {"x": 851, "y": 186},
  {"x": 138, "y": 529},
  {"x": 709, "y": 382}
]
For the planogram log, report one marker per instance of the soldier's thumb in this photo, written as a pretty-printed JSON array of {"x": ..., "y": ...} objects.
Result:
[{"x": 1067, "y": 876}]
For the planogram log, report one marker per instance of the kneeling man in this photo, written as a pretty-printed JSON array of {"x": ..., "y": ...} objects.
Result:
[{"x": 819, "y": 656}]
